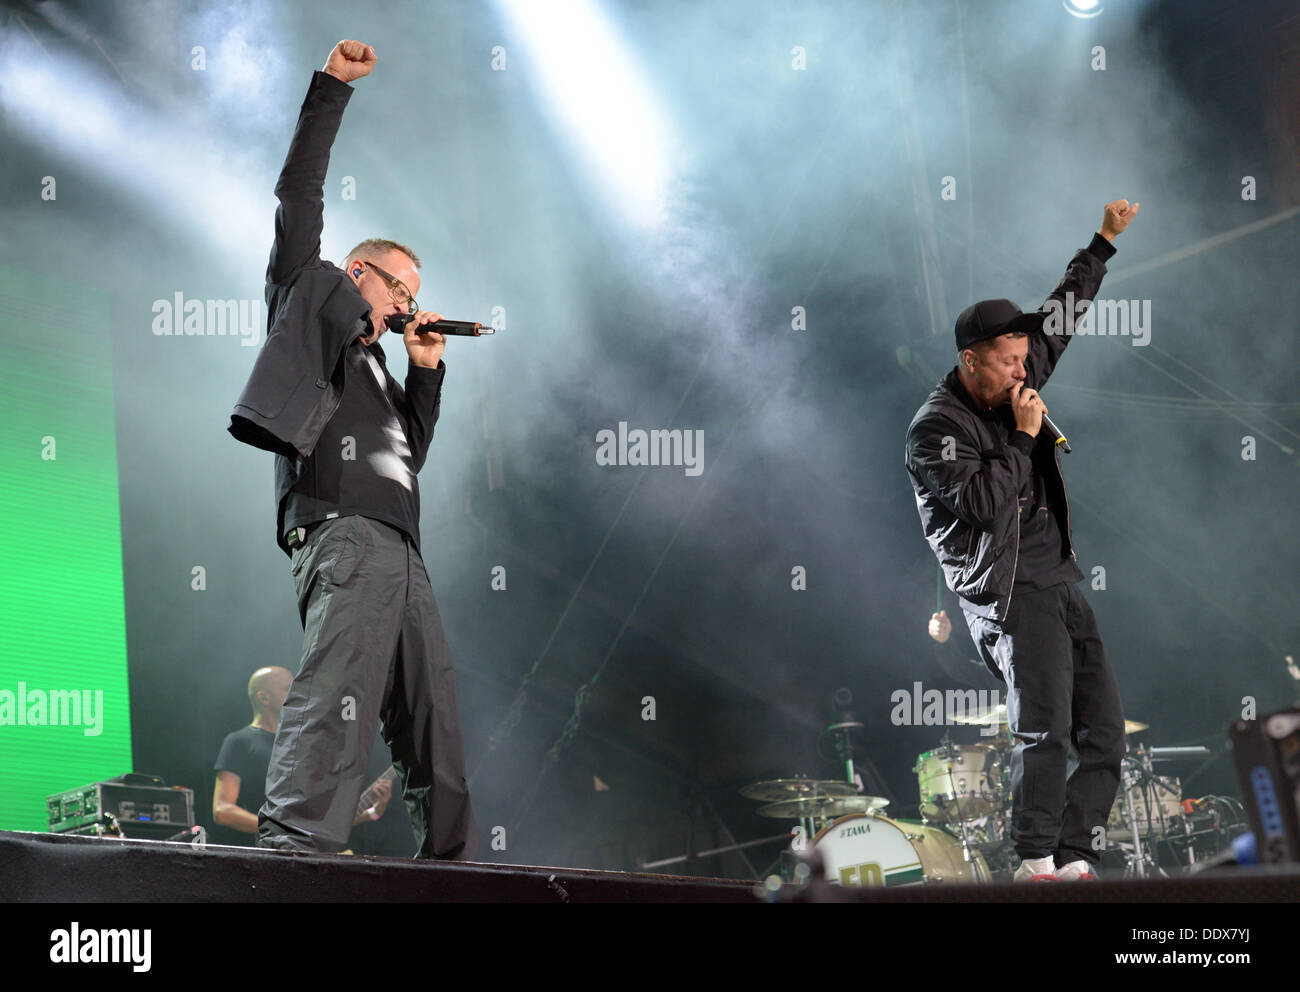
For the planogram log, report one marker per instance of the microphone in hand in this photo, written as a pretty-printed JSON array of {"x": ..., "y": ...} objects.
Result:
[
  {"x": 1055, "y": 434},
  {"x": 397, "y": 323}
]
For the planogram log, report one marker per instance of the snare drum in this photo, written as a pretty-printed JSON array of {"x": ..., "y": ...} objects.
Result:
[
  {"x": 960, "y": 782},
  {"x": 867, "y": 849}
]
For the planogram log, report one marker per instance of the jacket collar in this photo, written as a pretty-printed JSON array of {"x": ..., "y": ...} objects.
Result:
[{"x": 955, "y": 385}]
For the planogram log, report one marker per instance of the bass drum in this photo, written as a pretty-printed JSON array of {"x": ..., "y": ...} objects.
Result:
[{"x": 866, "y": 849}]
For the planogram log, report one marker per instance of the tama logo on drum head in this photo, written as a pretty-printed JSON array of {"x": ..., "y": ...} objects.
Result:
[
  {"x": 872, "y": 849},
  {"x": 920, "y": 707}
]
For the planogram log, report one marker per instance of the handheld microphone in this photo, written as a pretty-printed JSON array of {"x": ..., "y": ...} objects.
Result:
[
  {"x": 467, "y": 328},
  {"x": 1055, "y": 434}
]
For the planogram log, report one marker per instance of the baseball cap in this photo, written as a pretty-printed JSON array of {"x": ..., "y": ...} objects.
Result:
[{"x": 989, "y": 318}]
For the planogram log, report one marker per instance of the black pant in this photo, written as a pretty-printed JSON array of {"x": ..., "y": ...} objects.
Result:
[
  {"x": 1060, "y": 691},
  {"x": 373, "y": 650}
]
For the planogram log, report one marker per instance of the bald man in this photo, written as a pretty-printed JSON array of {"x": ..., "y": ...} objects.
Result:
[{"x": 241, "y": 764}]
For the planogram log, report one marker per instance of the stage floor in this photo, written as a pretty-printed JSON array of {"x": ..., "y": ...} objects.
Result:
[{"x": 61, "y": 868}]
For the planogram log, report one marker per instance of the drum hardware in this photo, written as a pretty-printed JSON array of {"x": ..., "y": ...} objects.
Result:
[
  {"x": 1151, "y": 809},
  {"x": 1136, "y": 864},
  {"x": 812, "y": 802},
  {"x": 1194, "y": 839},
  {"x": 1177, "y": 753},
  {"x": 842, "y": 724},
  {"x": 961, "y": 820},
  {"x": 842, "y": 732},
  {"x": 1138, "y": 778},
  {"x": 712, "y": 852}
]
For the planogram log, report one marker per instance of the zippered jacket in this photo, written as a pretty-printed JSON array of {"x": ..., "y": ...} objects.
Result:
[
  {"x": 968, "y": 469},
  {"x": 314, "y": 310}
]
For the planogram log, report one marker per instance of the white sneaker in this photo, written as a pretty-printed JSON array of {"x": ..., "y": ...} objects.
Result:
[
  {"x": 1076, "y": 871},
  {"x": 1036, "y": 870}
]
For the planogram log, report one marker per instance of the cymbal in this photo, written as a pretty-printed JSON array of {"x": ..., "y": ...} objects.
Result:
[
  {"x": 996, "y": 715},
  {"x": 827, "y": 807},
  {"x": 793, "y": 788}
]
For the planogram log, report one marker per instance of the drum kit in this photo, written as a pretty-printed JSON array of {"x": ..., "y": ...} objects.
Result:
[
  {"x": 964, "y": 834},
  {"x": 858, "y": 843},
  {"x": 1153, "y": 826}
]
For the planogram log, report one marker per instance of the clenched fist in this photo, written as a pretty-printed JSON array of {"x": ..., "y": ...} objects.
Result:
[
  {"x": 1028, "y": 409},
  {"x": 1116, "y": 218},
  {"x": 423, "y": 343},
  {"x": 350, "y": 60}
]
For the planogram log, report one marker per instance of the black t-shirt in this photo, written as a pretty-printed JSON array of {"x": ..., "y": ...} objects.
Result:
[
  {"x": 1044, "y": 559},
  {"x": 370, "y": 451},
  {"x": 246, "y": 753}
]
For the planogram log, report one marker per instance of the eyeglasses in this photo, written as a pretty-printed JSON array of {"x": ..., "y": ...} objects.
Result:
[{"x": 396, "y": 290}]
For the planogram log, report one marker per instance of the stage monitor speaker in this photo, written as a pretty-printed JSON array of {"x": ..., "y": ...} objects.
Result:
[{"x": 1267, "y": 756}]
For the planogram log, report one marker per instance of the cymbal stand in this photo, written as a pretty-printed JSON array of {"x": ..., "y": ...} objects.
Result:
[
  {"x": 1137, "y": 860},
  {"x": 844, "y": 746},
  {"x": 1138, "y": 774}
]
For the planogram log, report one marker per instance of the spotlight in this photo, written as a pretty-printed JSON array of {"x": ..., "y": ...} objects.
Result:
[
  {"x": 595, "y": 90},
  {"x": 1083, "y": 8}
]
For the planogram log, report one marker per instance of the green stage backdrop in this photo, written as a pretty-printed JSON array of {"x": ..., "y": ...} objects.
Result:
[{"x": 64, "y": 706}]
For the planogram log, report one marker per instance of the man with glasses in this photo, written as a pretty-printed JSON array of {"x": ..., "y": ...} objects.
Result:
[{"x": 349, "y": 441}]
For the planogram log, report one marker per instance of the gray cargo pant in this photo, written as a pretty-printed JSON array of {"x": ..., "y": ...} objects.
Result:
[{"x": 373, "y": 650}]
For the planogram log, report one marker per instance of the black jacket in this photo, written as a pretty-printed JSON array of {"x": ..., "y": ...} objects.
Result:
[
  {"x": 969, "y": 501},
  {"x": 314, "y": 311}
]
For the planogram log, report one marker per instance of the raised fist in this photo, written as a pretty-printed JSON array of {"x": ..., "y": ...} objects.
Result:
[
  {"x": 350, "y": 60},
  {"x": 1116, "y": 217}
]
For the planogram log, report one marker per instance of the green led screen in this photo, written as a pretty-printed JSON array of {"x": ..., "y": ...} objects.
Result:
[{"x": 64, "y": 707}]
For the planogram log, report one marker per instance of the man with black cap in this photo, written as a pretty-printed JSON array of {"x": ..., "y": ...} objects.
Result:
[{"x": 993, "y": 507}]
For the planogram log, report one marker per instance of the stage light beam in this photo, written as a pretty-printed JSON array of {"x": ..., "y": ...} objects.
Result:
[
  {"x": 67, "y": 109},
  {"x": 597, "y": 94}
]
